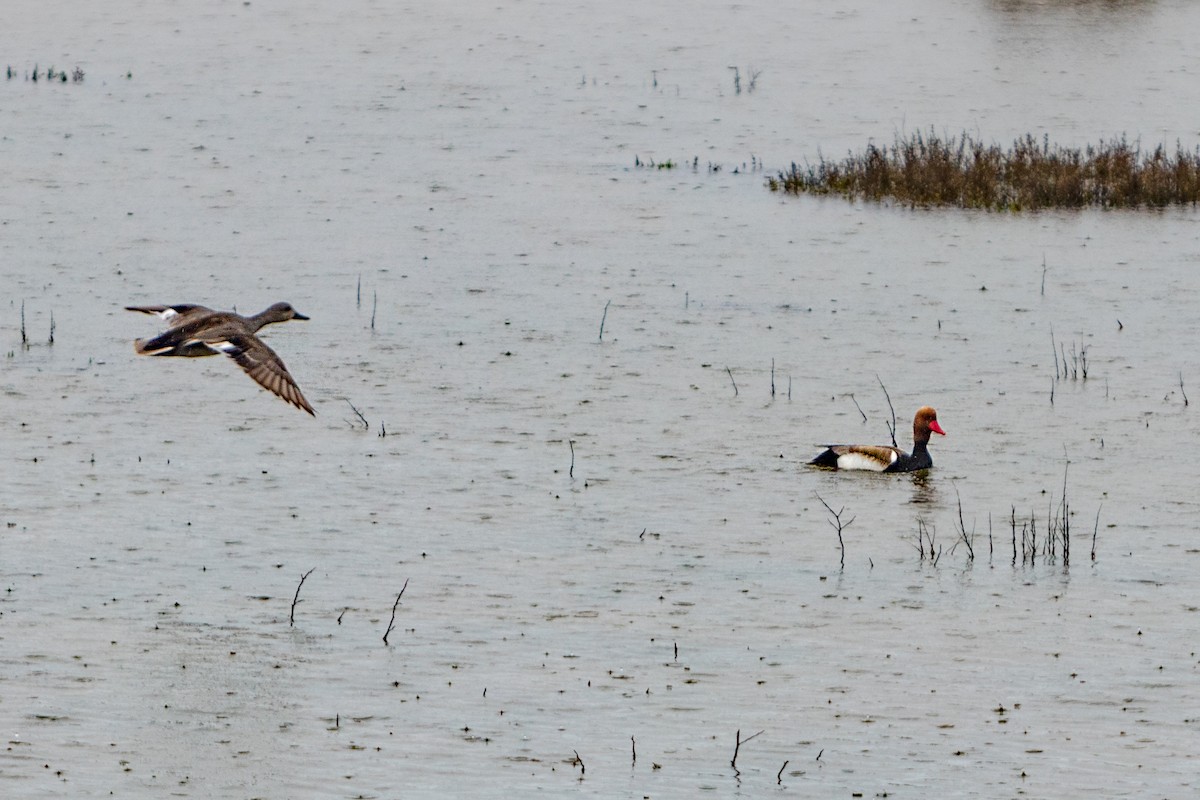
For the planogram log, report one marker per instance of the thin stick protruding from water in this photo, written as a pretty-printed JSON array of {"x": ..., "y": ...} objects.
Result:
[
  {"x": 296, "y": 599},
  {"x": 357, "y": 413},
  {"x": 24, "y": 339},
  {"x": 892, "y": 427},
  {"x": 1181, "y": 391},
  {"x": 603, "y": 318},
  {"x": 374, "y": 303},
  {"x": 738, "y": 742},
  {"x": 773, "y": 377},
  {"x": 839, "y": 526},
  {"x": 392, "y": 622},
  {"x": 571, "y": 471},
  {"x": 856, "y": 405},
  {"x": 731, "y": 380}
]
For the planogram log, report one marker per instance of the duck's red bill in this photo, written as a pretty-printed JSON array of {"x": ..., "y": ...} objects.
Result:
[{"x": 933, "y": 426}]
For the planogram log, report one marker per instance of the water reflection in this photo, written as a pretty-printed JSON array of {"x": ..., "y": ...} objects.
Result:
[{"x": 924, "y": 490}]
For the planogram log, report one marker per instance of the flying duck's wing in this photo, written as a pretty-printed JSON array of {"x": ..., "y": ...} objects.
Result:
[
  {"x": 173, "y": 315},
  {"x": 262, "y": 364}
]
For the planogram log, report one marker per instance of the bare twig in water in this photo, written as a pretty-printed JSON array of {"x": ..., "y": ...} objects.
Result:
[
  {"x": 357, "y": 413},
  {"x": 571, "y": 471},
  {"x": 24, "y": 339},
  {"x": 962, "y": 529},
  {"x": 52, "y": 342},
  {"x": 1044, "y": 268},
  {"x": 1054, "y": 349},
  {"x": 358, "y": 293},
  {"x": 374, "y": 303},
  {"x": 739, "y": 741},
  {"x": 772, "y": 374},
  {"x": 1181, "y": 391},
  {"x": 731, "y": 380},
  {"x": 1096, "y": 530},
  {"x": 779, "y": 775},
  {"x": 633, "y": 746},
  {"x": 296, "y": 599},
  {"x": 892, "y": 427},
  {"x": 839, "y": 526},
  {"x": 392, "y": 622},
  {"x": 856, "y": 405},
  {"x": 579, "y": 761},
  {"x": 604, "y": 317}
]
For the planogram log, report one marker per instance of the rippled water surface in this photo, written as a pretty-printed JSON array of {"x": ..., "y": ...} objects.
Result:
[{"x": 591, "y": 389}]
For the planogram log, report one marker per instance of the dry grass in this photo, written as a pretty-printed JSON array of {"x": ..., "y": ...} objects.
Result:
[{"x": 928, "y": 170}]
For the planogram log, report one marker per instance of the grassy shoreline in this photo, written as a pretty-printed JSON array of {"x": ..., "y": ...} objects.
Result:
[{"x": 930, "y": 170}]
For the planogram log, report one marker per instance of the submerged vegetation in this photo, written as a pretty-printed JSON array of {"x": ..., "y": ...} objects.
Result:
[{"x": 930, "y": 170}]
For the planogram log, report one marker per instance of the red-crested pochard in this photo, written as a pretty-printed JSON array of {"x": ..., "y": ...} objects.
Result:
[{"x": 881, "y": 458}]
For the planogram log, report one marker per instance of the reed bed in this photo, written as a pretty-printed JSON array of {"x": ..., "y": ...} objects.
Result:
[{"x": 925, "y": 169}]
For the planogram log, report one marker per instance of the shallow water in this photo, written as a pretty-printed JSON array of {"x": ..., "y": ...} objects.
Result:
[{"x": 451, "y": 195}]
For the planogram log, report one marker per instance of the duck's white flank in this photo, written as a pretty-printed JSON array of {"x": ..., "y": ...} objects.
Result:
[{"x": 861, "y": 461}]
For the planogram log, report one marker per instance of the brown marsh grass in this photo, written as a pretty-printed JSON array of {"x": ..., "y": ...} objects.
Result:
[{"x": 930, "y": 170}]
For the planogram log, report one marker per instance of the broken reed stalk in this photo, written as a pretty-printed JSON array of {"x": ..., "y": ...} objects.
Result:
[
  {"x": 579, "y": 761},
  {"x": 891, "y": 408},
  {"x": 1096, "y": 530},
  {"x": 633, "y": 747},
  {"x": 1054, "y": 349},
  {"x": 731, "y": 380},
  {"x": 738, "y": 742},
  {"x": 1044, "y": 268},
  {"x": 773, "y": 378},
  {"x": 604, "y": 317},
  {"x": 358, "y": 292},
  {"x": 1181, "y": 391},
  {"x": 856, "y": 405},
  {"x": 927, "y": 534},
  {"x": 839, "y": 526},
  {"x": 374, "y": 303},
  {"x": 52, "y": 334},
  {"x": 357, "y": 413},
  {"x": 1064, "y": 530},
  {"x": 395, "y": 605},
  {"x": 571, "y": 471},
  {"x": 991, "y": 549},
  {"x": 24, "y": 338},
  {"x": 962, "y": 529},
  {"x": 296, "y": 599},
  {"x": 779, "y": 775},
  {"x": 1014, "y": 535}
]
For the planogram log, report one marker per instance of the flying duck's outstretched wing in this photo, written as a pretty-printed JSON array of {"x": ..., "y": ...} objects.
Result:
[
  {"x": 173, "y": 315},
  {"x": 262, "y": 364}
]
